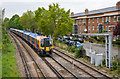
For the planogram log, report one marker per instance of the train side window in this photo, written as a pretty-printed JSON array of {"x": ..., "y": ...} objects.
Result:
[
  {"x": 50, "y": 42},
  {"x": 42, "y": 42}
]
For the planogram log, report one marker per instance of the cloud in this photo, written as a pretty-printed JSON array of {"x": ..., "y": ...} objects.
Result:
[{"x": 19, "y": 6}]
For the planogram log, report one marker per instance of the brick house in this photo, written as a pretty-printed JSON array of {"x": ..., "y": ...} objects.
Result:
[{"x": 90, "y": 20}]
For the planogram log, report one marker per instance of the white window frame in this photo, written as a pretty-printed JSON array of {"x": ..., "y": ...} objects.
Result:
[
  {"x": 102, "y": 19},
  {"x": 80, "y": 28},
  {"x": 93, "y": 28},
  {"x": 88, "y": 27},
  {"x": 89, "y": 20},
  {"x": 106, "y": 19},
  {"x": 114, "y": 38},
  {"x": 114, "y": 18},
  {"x": 80, "y": 21},
  {"x": 97, "y": 27},
  {"x": 93, "y": 20},
  {"x": 106, "y": 27},
  {"x": 109, "y": 19},
  {"x": 118, "y": 18},
  {"x": 97, "y": 20}
]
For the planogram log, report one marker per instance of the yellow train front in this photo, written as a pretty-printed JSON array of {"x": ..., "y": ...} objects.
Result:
[{"x": 45, "y": 45}]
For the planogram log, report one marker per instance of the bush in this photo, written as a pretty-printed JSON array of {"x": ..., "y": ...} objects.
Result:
[
  {"x": 114, "y": 65},
  {"x": 104, "y": 31},
  {"x": 104, "y": 63},
  {"x": 118, "y": 69},
  {"x": 69, "y": 48},
  {"x": 118, "y": 41},
  {"x": 78, "y": 53},
  {"x": 72, "y": 49},
  {"x": 98, "y": 40}
]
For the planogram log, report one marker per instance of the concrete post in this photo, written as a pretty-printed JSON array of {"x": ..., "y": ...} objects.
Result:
[
  {"x": 110, "y": 50},
  {"x": 106, "y": 50}
]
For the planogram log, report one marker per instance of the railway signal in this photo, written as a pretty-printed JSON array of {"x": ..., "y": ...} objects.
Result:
[
  {"x": 75, "y": 29},
  {"x": 100, "y": 28}
]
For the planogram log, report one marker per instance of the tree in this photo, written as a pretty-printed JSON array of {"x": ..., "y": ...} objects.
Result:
[
  {"x": 54, "y": 21},
  {"x": 27, "y": 20},
  {"x": 14, "y": 22},
  {"x": 117, "y": 32}
]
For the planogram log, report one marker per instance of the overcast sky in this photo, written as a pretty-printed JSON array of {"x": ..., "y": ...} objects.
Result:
[{"x": 20, "y": 6}]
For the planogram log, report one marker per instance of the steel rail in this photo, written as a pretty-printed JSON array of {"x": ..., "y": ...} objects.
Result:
[
  {"x": 65, "y": 68},
  {"x": 44, "y": 76},
  {"x": 27, "y": 71},
  {"x": 75, "y": 65},
  {"x": 84, "y": 64}
]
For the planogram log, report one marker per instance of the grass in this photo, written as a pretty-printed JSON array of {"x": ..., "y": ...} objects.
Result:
[{"x": 9, "y": 64}]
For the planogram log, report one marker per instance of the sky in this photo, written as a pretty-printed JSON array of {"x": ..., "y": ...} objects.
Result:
[{"x": 13, "y": 7}]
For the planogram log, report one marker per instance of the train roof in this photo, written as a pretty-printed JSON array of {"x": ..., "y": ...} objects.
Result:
[{"x": 34, "y": 35}]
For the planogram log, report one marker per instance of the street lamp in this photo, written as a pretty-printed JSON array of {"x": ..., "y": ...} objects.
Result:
[{"x": 85, "y": 30}]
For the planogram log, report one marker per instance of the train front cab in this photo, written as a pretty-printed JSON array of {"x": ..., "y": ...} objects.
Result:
[{"x": 45, "y": 46}]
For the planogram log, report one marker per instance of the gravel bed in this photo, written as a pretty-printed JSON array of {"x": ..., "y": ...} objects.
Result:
[
  {"x": 61, "y": 70},
  {"x": 71, "y": 67}
]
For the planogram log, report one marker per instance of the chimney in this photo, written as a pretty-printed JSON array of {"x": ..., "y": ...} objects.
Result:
[
  {"x": 86, "y": 10},
  {"x": 118, "y": 4},
  {"x": 72, "y": 13}
]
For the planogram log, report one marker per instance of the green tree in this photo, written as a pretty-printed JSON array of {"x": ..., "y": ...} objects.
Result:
[
  {"x": 14, "y": 22},
  {"x": 27, "y": 20},
  {"x": 54, "y": 21}
]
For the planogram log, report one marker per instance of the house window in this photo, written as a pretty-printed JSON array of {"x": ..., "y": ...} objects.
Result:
[
  {"x": 102, "y": 19},
  {"x": 117, "y": 36},
  {"x": 84, "y": 20},
  {"x": 118, "y": 18},
  {"x": 114, "y": 38},
  {"x": 80, "y": 28},
  {"x": 89, "y": 20},
  {"x": 93, "y": 28},
  {"x": 97, "y": 20},
  {"x": 77, "y": 21},
  {"x": 93, "y": 20},
  {"x": 97, "y": 27},
  {"x": 106, "y": 19},
  {"x": 109, "y": 19},
  {"x": 106, "y": 28},
  {"x": 83, "y": 28},
  {"x": 80, "y": 21},
  {"x": 88, "y": 27},
  {"x": 114, "y": 18},
  {"x": 109, "y": 28}
]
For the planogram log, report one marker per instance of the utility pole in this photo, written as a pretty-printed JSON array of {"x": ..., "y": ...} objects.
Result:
[{"x": 2, "y": 12}]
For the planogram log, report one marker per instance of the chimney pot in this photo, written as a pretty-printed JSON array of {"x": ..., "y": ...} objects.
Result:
[{"x": 86, "y": 10}]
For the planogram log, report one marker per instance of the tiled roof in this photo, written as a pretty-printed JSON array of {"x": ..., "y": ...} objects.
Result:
[{"x": 104, "y": 10}]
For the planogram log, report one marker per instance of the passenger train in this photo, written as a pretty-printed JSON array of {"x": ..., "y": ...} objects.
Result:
[{"x": 42, "y": 44}]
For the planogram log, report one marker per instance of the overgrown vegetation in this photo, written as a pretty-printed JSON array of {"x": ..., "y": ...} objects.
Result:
[
  {"x": 9, "y": 65},
  {"x": 77, "y": 52},
  {"x": 116, "y": 66}
]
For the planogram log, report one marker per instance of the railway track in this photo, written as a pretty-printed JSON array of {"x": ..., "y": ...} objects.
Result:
[
  {"x": 36, "y": 66},
  {"x": 27, "y": 71},
  {"x": 90, "y": 71},
  {"x": 50, "y": 65},
  {"x": 73, "y": 76},
  {"x": 80, "y": 65}
]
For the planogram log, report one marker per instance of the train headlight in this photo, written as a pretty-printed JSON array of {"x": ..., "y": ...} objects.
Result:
[{"x": 42, "y": 48}]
